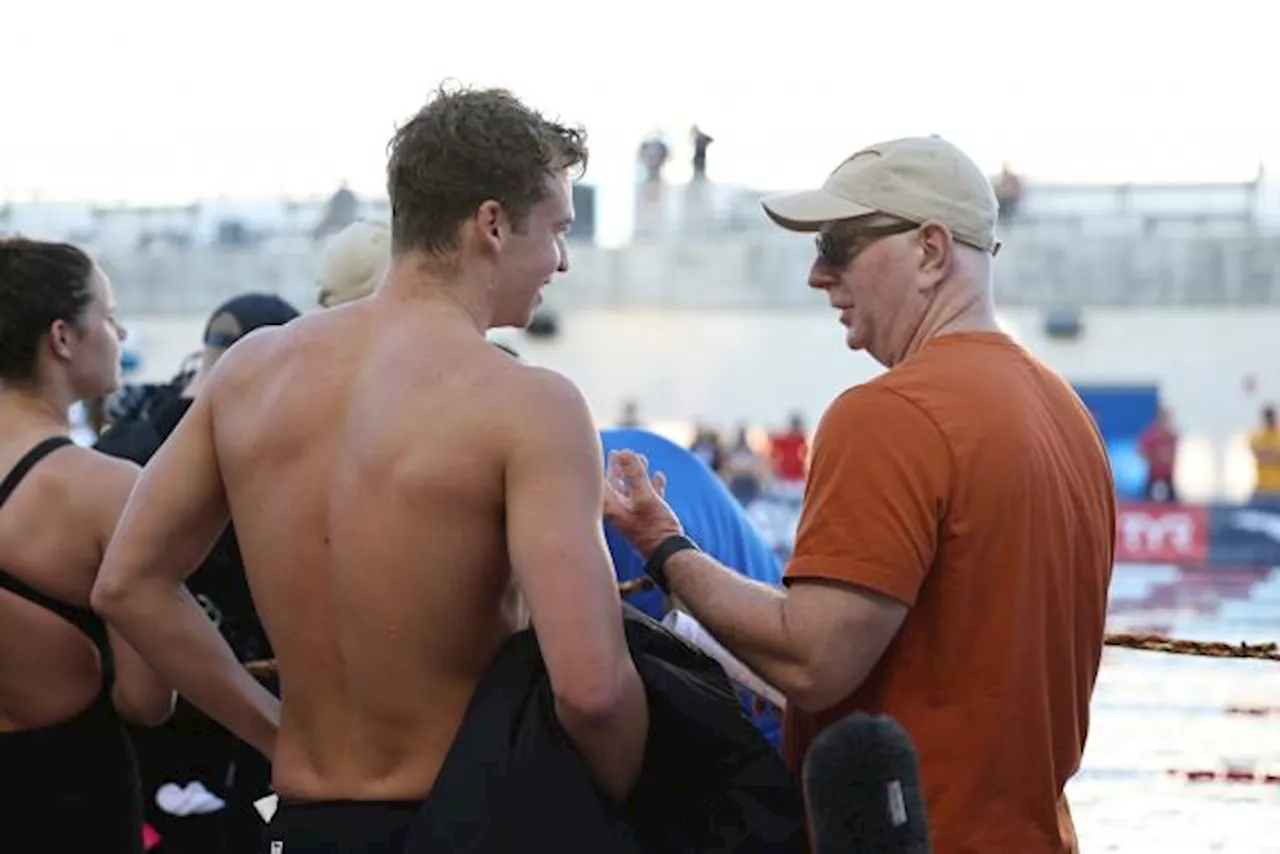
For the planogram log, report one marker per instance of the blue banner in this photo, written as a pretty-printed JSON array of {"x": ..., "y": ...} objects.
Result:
[
  {"x": 1245, "y": 535},
  {"x": 1122, "y": 413},
  {"x": 1214, "y": 535}
]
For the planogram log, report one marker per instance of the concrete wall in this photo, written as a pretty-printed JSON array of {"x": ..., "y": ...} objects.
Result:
[
  {"x": 756, "y": 271},
  {"x": 755, "y": 365}
]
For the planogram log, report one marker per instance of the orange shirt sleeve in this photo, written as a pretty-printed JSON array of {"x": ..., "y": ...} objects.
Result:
[{"x": 879, "y": 478}]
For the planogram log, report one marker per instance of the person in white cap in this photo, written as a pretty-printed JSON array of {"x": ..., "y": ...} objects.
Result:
[
  {"x": 956, "y": 541},
  {"x": 353, "y": 262}
]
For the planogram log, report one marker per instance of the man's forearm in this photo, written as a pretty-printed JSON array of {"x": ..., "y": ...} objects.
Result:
[
  {"x": 173, "y": 634},
  {"x": 612, "y": 739},
  {"x": 747, "y": 617}
]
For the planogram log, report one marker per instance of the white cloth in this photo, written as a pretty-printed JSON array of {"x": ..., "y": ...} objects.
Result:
[
  {"x": 691, "y": 630},
  {"x": 191, "y": 799}
]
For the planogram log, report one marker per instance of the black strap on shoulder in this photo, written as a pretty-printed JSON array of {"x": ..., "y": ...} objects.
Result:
[
  {"x": 29, "y": 459},
  {"x": 83, "y": 619}
]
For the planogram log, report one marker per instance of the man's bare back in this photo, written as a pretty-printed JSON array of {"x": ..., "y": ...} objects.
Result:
[{"x": 363, "y": 454}]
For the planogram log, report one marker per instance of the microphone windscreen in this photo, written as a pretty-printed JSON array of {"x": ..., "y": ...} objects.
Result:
[{"x": 862, "y": 788}]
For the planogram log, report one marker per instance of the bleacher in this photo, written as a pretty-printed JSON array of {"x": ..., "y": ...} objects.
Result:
[{"x": 1067, "y": 245}]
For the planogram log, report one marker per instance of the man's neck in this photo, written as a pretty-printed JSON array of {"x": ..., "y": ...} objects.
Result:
[
  {"x": 973, "y": 311},
  {"x": 424, "y": 285}
]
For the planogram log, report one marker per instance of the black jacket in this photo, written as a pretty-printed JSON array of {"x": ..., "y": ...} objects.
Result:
[{"x": 512, "y": 782}]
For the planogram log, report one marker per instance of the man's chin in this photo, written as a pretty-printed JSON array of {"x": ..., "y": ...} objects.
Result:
[{"x": 521, "y": 323}]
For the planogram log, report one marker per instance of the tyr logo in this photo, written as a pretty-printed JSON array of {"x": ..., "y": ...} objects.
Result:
[{"x": 1158, "y": 533}]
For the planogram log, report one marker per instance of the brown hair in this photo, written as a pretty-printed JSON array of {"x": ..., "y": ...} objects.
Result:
[
  {"x": 465, "y": 147},
  {"x": 40, "y": 282}
]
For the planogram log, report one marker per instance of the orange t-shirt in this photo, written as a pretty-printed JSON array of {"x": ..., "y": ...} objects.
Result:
[{"x": 970, "y": 483}]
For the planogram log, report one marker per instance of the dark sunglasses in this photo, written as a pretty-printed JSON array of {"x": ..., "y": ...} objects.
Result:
[{"x": 837, "y": 248}]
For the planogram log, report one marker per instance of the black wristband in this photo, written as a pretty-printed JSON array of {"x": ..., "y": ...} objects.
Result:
[{"x": 656, "y": 566}]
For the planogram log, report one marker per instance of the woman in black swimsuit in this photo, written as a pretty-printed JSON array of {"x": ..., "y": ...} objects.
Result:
[{"x": 66, "y": 768}]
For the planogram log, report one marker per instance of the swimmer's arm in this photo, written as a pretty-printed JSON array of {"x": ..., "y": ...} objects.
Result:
[
  {"x": 173, "y": 517},
  {"x": 561, "y": 564},
  {"x": 139, "y": 693}
]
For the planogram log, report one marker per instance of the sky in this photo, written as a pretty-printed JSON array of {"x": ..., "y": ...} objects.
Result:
[{"x": 160, "y": 102}]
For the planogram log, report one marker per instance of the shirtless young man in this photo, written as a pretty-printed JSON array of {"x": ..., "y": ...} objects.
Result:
[{"x": 396, "y": 482}]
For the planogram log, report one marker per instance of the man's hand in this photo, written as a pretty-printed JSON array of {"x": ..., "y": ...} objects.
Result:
[{"x": 633, "y": 502}]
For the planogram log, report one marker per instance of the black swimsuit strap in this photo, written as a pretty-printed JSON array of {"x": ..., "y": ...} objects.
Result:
[
  {"x": 29, "y": 459},
  {"x": 83, "y": 619}
]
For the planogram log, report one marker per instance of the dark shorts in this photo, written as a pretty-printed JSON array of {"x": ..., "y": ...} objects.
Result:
[{"x": 340, "y": 827}]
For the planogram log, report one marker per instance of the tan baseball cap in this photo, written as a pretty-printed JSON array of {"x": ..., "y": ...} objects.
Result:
[
  {"x": 915, "y": 178},
  {"x": 353, "y": 262}
]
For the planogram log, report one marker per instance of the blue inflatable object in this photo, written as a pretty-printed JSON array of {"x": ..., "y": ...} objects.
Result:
[{"x": 711, "y": 516}]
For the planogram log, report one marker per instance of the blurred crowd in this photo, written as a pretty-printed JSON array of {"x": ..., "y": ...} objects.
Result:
[
  {"x": 1158, "y": 446},
  {"x": 749, "y": 460}
]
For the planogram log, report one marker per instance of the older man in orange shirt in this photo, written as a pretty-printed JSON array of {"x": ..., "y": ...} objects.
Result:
[{"x": 955, "y": 547}]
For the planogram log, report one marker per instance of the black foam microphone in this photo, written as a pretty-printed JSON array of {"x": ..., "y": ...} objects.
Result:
[{"x": 862, "y": 789}]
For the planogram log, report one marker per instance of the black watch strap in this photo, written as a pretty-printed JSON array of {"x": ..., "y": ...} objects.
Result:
[{"x": 656, "y": 566}]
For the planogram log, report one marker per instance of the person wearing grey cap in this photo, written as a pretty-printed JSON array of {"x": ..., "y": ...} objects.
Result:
[
  {"x": 406, "y": 497},
  {"x": 955, "y": 545},
  {"x": 191, "y": 750}
]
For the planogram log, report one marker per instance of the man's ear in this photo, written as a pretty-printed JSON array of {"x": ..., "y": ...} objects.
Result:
[
  {"x": 491, "y": 225},
  {"x": 935, "y": 251}
]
